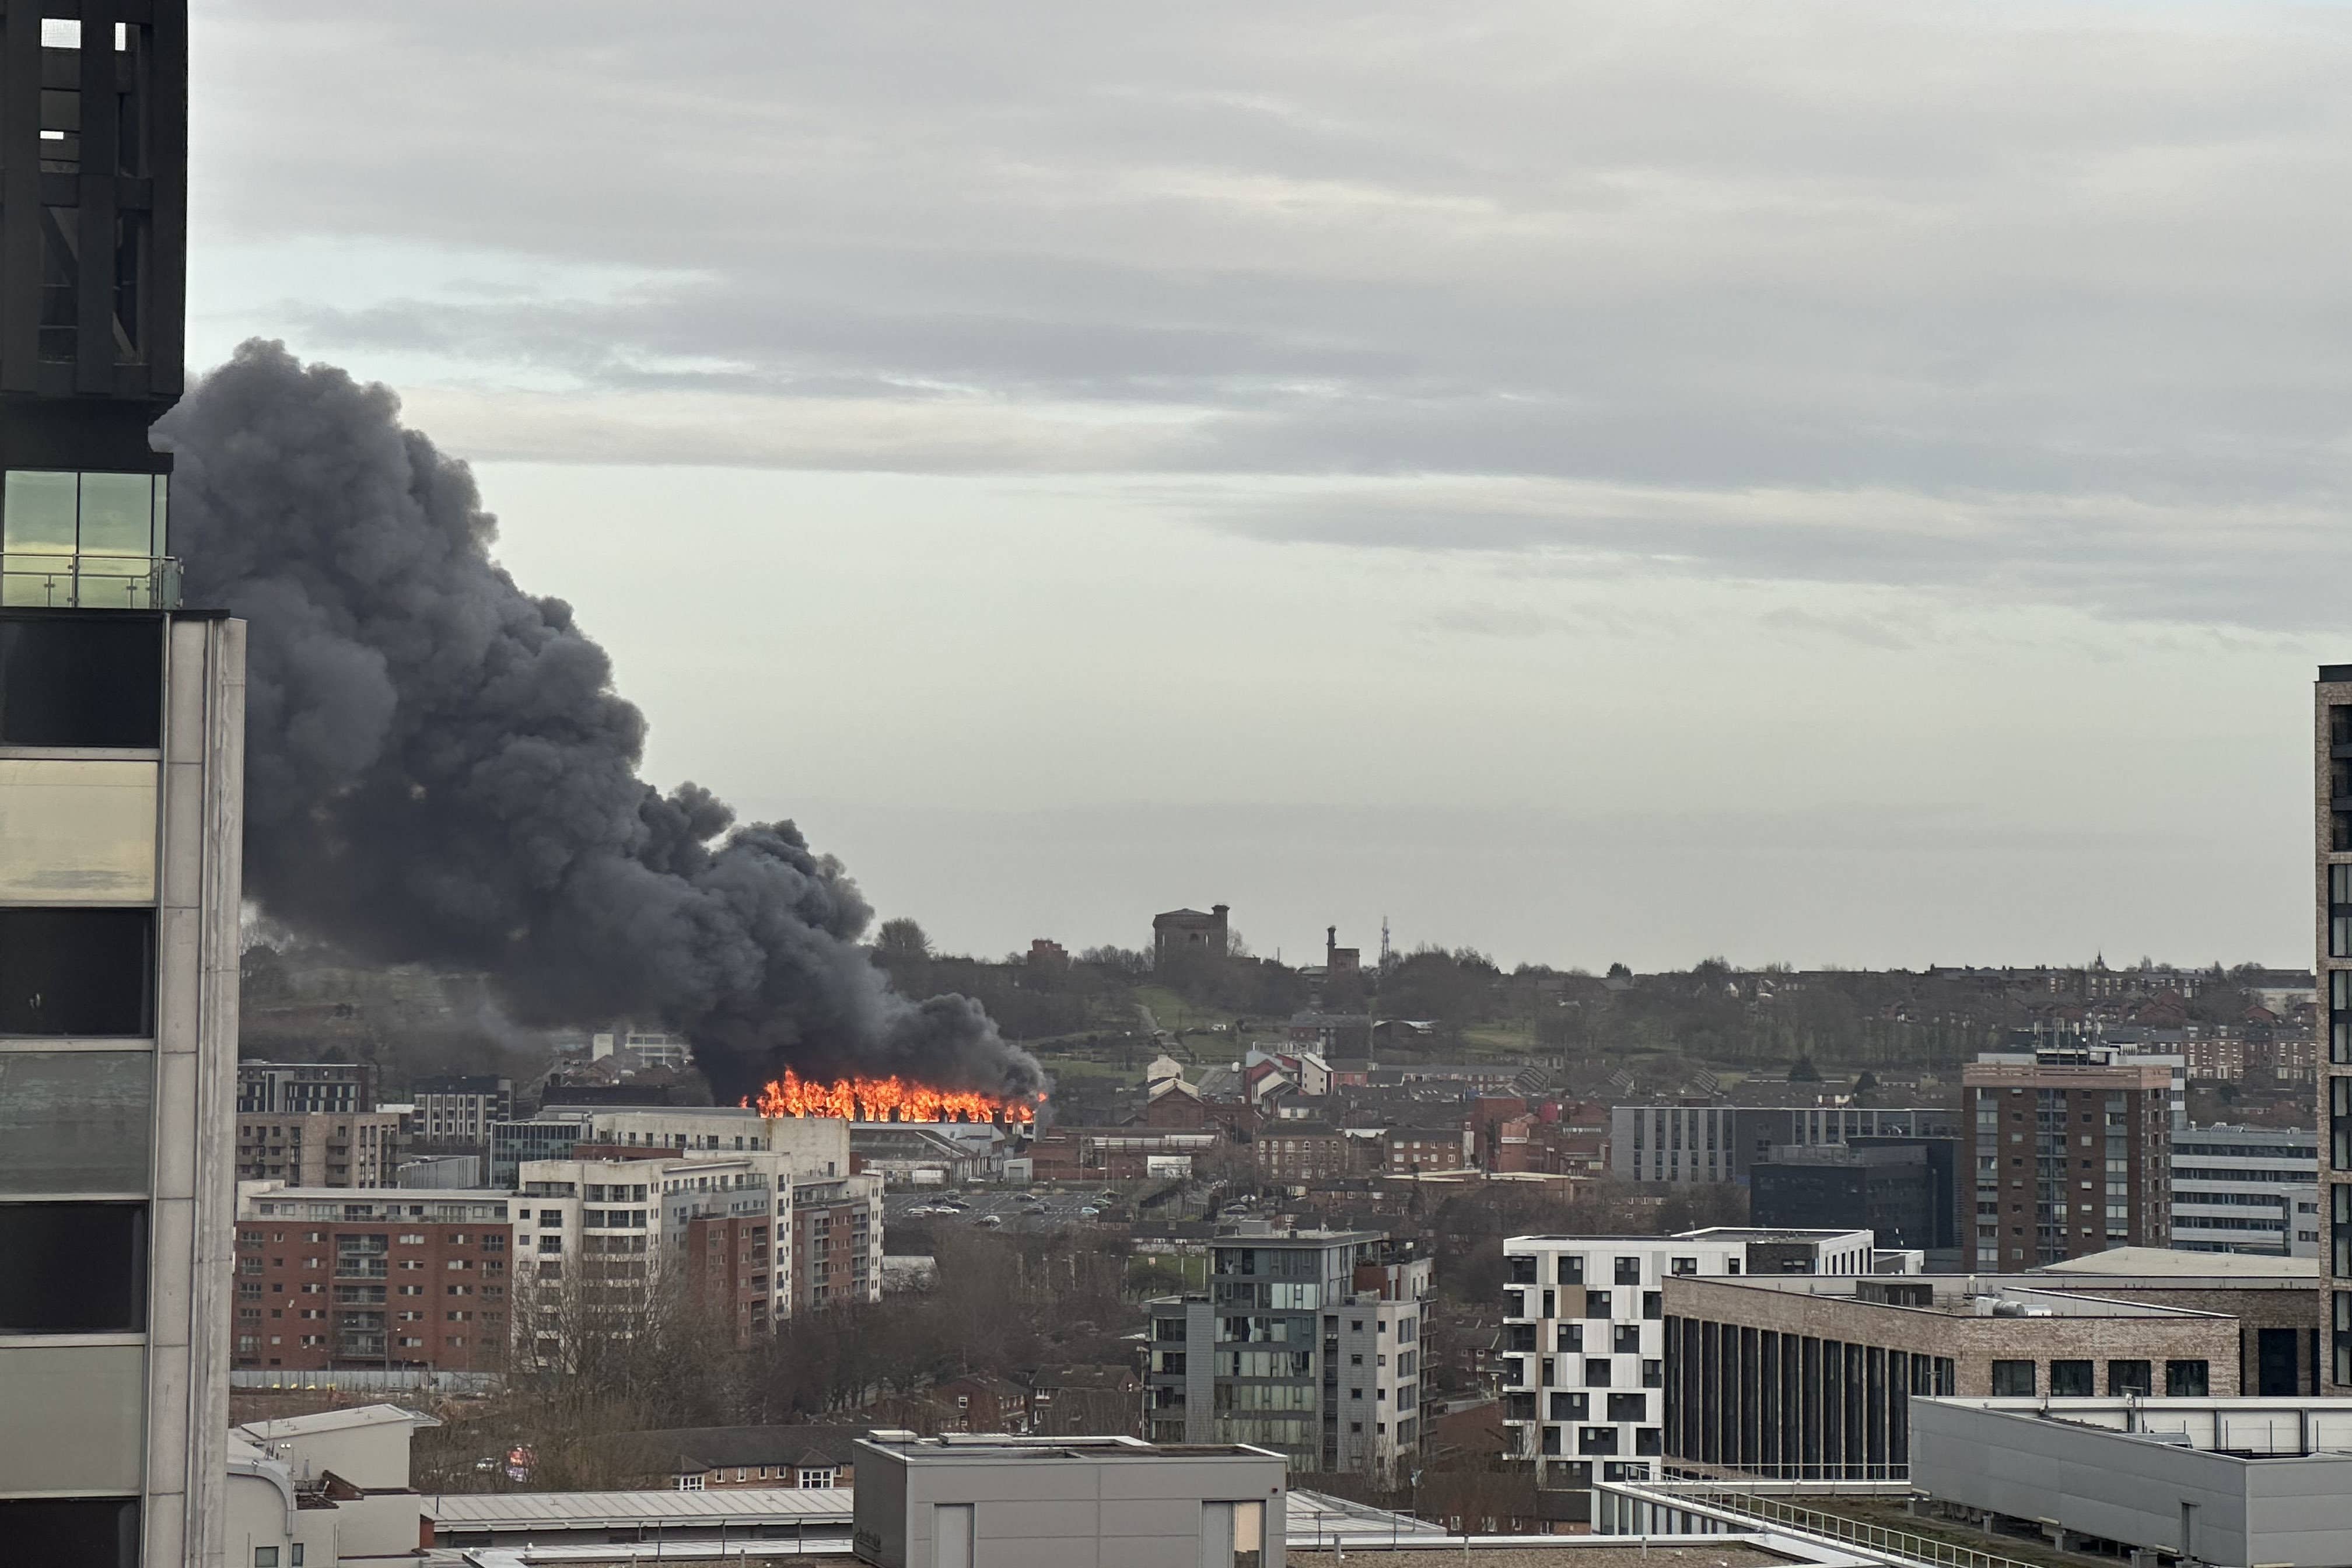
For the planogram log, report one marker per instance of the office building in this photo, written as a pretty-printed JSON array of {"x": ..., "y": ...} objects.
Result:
[
  {"x": 381, "y": 1279},
  {"x": 1723, "y": 1143},
  {"x": 2190, "y": 1480},
  {"x": 547, "y": 1136},
  {"x": 322, "y": 1148},
  {"x": 305, "y": 1089},
  {"x": 2246, "y": 1189},
  {"x": 121, "y": 720},
  {"x": 1584, "y": 1368},
  {"x": 459, "y": 1110},
  {"x": 1066, "y": 1503},
  {"x": 1888, "y": 1191},
  {"x": 2069, "y": 1159},
  {"x": 1308, "y": 1343},
  {"x": 1812, "y": 1378},
  {"x": 325, "y": 1489}
]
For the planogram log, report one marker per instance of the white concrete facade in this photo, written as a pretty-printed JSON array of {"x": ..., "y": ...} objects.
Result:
[{"x": 1584, "y": 1334}]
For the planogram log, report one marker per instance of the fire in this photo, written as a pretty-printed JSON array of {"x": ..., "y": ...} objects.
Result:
[{"x": 887, "y": 1100}]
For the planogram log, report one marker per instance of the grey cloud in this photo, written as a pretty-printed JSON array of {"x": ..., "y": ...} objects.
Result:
[{"x": 2054, "y": 291}]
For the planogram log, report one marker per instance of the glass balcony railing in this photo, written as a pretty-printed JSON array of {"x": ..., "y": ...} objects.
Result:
[{"x": 90, "y": 581}]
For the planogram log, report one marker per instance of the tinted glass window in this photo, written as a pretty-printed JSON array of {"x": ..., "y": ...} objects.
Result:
[
  {"x": 81, "y": 681},
  {"x": 77, "y": 971},
  {"x": 72, "y": 1532},
  {"x": 75, "y": 1122},
  {"x": 73, "y": 1269}
]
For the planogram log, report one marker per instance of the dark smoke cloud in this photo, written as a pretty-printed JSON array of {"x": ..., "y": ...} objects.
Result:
[{"x": 438, "y": 768}]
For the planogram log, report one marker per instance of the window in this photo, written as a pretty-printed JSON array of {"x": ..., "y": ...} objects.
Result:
[
  {"x": 1653, "y": 1305},
  {"x": 822, "y": 1479},
  {"x": 1682, "y": 1266},
  {"x": 99, "y": 1532},
  {"x": 1626, "y": 1340},
  {"x": 1596, "y": 1304},
  {"x": 265, "y": 1557},
  {"x": 1596, "y": 1439},
  {"x": 81, "y": 682},
  {"x": 2012, "y": 1379},
  {"x": 2184, "y": 1380},
  {"x": 2127, "y": 1378},
  {"x": 1571, "y": 1268},
  {"x": 75, "y": 1122},
  {"x": 77, "y": 971},
  {"x": 1570, "y": 1336},
  {"x": 1569, "y": 1406},
  {"x": 2071, "y": 1380},
  {"x": 1596, "y": 1372},
  {"x": 73, "y": 1269},
  {"x": 1628, "y": 1407},
  {"x": 1629, "y": 1271}
]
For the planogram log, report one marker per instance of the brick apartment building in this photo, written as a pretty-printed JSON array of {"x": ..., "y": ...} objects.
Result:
[
  {"x": 318, "y": 1149},
  {"x": 1442, "y": 1147},
  {"x": 1306, "y": 1152},
  {"x": 836, "y": 1242},
  {"x": 2069, "y": 1160},
  {"x": 370, "y": 1279}
]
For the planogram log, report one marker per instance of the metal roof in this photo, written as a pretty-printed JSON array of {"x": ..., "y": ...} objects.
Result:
[{"x": 600, "y": 1510}]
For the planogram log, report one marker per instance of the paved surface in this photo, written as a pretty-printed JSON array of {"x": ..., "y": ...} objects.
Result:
[
  {"x": 1572, "y": 1552},
  {"x": 1055, "y": 1210}
]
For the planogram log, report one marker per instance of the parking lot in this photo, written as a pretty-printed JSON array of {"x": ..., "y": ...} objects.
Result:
[{"x": 1013, "y": 1209}]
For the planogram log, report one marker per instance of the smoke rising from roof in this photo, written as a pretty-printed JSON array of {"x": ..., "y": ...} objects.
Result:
[{"x": 437, "y": 769}]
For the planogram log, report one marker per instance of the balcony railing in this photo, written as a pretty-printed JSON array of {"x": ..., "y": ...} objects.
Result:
[{"x": 90, "y": 581}]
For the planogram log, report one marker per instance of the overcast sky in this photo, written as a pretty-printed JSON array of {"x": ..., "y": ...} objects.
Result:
[{"x": 1834, "y": 483}]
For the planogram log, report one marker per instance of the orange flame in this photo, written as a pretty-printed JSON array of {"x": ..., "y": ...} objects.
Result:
[{"x": 887, "y": 1100}]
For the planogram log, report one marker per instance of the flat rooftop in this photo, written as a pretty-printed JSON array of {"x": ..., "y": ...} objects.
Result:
[
  {"x": 963, "y": 1447},
  {"x": 2250, "y": 1429},
  {"x": 1948, "y": 1295},
  {"x": 2165, "y": 1262}
]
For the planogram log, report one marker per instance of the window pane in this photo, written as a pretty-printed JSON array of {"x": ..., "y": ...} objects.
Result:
[
  {"x": 73, "y": 1269},
  {"x": 163, "y": 513},
  {"x": 93, "y": 681},
  {"x": 2184, "y": 1379},
  {"x": 77, "y": 971},
  {"x": 72, "y": 1532},
  {"x": 117, "y": 515},
  {"x": 75, "y": 1121},
  {"x": 76, "y": 832},
  {"x": 37, "y": 513}
]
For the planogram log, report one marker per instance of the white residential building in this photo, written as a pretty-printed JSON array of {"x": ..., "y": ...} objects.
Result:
[
  {"x": 586, "y": 1230},
  {"x": 1584, "y": 1334},
  {"x": 814, "y": 1145}
]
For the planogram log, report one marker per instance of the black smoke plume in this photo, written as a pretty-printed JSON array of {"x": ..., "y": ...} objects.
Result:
[{"x": 437, "y": 769}]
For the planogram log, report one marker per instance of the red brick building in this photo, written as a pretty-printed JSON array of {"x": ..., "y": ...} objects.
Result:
[
  {"x": 836, "y": 1242},
  {"x": 380, "y": 1277},
  {"x": 730, "y": 1260}
]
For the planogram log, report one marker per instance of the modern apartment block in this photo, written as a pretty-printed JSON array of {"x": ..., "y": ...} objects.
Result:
[
  {"x": 606, "y": 1240},
  {"x": 389, "y": 1278},
  {"x": 2332, "y": 924},
  {"x": 836, "y": 1241},
  {"x": 2069, "y": 1159},
  {"x": 1721, "y": 1143},
  {"x": 1584, "y": 1368},
  {"x": 1308, "y": 1344},
  {"x": 322, "y": 1148},
  {"x": 458, "y": 1109},
  {"x": 121, "y": 726},
  {"x": 304, "y": 1088},
  {"x": 2246, "y": 1189}
]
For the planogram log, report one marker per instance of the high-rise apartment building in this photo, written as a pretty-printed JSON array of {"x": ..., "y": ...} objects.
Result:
[
  {"x": 389, "y": 1279},
  {"x": 459, "y": 1109},
  {"x": 2069, "y": 1158},
  {"x": 303, "y": 1089},
  {"x": 1308, "y": 1344},
  {"x": 321, "y": 1150},
  {"x": 837, "y": 1240},
  {"x": 120, "y": 809},
  {"x": 2332, "y": 920},
  {"x": 1584, "y": 1347}
]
